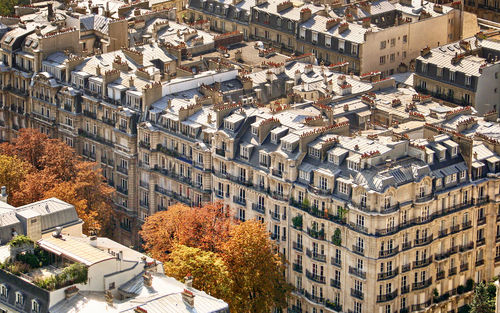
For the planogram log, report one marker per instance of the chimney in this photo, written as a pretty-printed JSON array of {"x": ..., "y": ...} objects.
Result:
[
  {"x": 305, "y": 14},
  {"x": 131, "y": 81},
  {"x": 366, "y": 22},
  {"x": 98, "y": 70},
  {"x": 38, "y": 31},
  {"x": 188, "y": 297},
  {"x": 50, "y": 11},
  {"x": 148, "y": 279},
  {"x": 3, "y": 195},
  {"x": 188, "y": 281}
]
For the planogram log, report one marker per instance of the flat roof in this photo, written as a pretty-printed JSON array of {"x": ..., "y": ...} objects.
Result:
[{"x": 75, "y": 250}]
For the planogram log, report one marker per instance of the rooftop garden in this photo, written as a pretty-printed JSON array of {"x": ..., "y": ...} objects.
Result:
[{"x": 31, "y": 263}]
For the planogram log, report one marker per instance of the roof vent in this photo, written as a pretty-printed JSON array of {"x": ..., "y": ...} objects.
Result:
[{"x": 57, "y": 232}]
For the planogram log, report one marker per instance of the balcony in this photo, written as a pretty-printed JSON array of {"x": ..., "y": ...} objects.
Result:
[
  {"x": 440, "y": 275},
  {"x": 277, "y": 173},
  {"x": 258, "y": 208},
  {"x": 387, "y": 297},
  {"x": 145, "y": 145},
  {"x": 357, "y": 272},
  {"x": 335, "y": 283},
  {"x": 297, "y": 246},
  {"x": 274, "y": 215},
  {"x": 90, "y": 114},
  {"x": 333, "y": 306},
  {"x": 406, "y": 245},
  {"x": 316, "y": 256},
  {"x": 466, "y": 225},
  {"x": 422, "y": 263},
  {"x": 239, "y": 200},
  {"x": 420, "y": 306},
  {"x": 424, "y": 198},
  {"x": 480, "y": 242},
  {"x": 122, "y": 190},
  {"x": 422, "y": 284},
  {"x": 481, "y": 221},
  {"x": 452, "y": 271},
  {"x": 482, "y": 200},
  {"x": 464, "y": 267},
  {"x": 466, "y": 247},
  {"x": 405, "y": 289},
  {"x": 336, "y": 261},
  {"x": 357, "y": 294},
  {"x": 454, "y": 229},
  {"x": 220, "y": 152},
  {"x": 108, "y": 121},
  {"x": 122, "y": 169},
  {"x": 315, "y": 277},
  {"x": 144, "y": 204},
  {"x": 297, "y": 267},
  {"x": 314, "y": 298},
  {"x": 443, "y": 233},
  {"x": 358, "y": 250},
  {"x": 316, "y": 234},
  {"x": 359, "y": 228},
  {"x": 388, "y": 252},
  {"x": 388, "y": 274},
  {"x": 423, "y": 241},
  {"x": 480, "y": 262},
  {"x": 405, "y": 267},
  {"x": 144, "y": 184}
]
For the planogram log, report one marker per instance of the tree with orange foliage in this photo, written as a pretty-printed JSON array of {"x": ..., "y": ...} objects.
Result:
[
  {"x": 12, "y": 172},
  {"x": 203, "y": 228},
  {"x": 256, "y": 270},
  {"x": 57, "y": 171}
]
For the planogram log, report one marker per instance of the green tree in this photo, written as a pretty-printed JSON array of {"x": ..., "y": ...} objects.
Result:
[
  {"x": 12, "y": 172},
  {"x": 256, "y": 270},
  {"x": 207, "y": 268},
  {"x": 482, "y": 302}
]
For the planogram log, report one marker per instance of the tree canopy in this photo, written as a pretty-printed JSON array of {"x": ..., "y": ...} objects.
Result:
[
  {"x": 35, "y": 167},
  {"x": 238, "y": 262}
]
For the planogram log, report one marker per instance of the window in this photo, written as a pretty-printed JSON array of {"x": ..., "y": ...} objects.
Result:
[
  {"x": 452, "y": 76},
  {"x": 328, "y": 41},
  {"x": 19, "y": 298},
  {"x": 3, "y": 290},
  {"x": 323, "y": 183},
  {"x": 439, "y": 71},
  {"x": 35, "y": 306},
  {"x": 341, "y": 45},
  {"x": 383, "y": 44},
  {"x": 352, "y": 165},
  {"x": 405, "y": 38},
  {"x": 278, "y": 22},
  {"x": 343, "y": 188},
  {"x": 302, "y": 33},
  {"x": 404, "y": 54},
  {"x": 424, "y": 67},
  {"x": 392, "y": 57},
  {"x": 290, "y": 25},
  {"x": 314, "y": 37},
  {"x": 382, "y": 59},
  {"x": 354, "y": 48},
  {"x": 467, "y": 80},
  {"x": 393, "y": 42}
]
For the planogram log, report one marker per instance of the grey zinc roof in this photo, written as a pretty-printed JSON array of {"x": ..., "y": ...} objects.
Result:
[
  {"x": 355, "y": 33},
  {"x": 54, "y": 212},
  {"x": 292, "y": 13}
]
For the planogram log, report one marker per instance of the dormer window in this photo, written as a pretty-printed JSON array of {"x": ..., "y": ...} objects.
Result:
[
  {"x": 304, "y": 175},
  {"x": 430, "y": 158},
  {"x": 3, "y": 290},
  {"x": 35, "y": 306},
  {"x": 263, "y": 159},
  {"x": 315, "y": 153},
  {"x": 228, "y": 125},
  {"x": 314, "y": 37},
  {"x": 255, "y": 130},
  {"x": 352, "y": 165},
  {"x": 331, "y": 158},
  {"x": 343, "y": 187},
  {"x": 454, "y": 151},
  {"x": 463, "y": 174},
  {"x": 19, "y": 298},
  {"x": 274, "y": 138},
  {"x": 323, "y": 183},
  {"x": 245, "y": 152},
  {"x": 442, "y": 155}
]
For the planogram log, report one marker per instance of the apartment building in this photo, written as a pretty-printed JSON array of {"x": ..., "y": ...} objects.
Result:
[
  {"x": 371, "y": 36},
  {"x": 466, "y": 72}
]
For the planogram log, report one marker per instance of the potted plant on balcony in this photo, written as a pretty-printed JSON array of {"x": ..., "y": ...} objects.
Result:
[
  {"x": 297, "y": 221},
  {"x": 336, "y": 237}
]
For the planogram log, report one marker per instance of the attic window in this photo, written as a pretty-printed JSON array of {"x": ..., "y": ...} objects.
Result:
[
  {"x": 245, "y": 152},
  {"x": 442, "y": 155},
  {"x": 304, "y": 175},
  {"x": 454, "y": 151},
  {"x": 353, "y": 165},
  {"x": 228, "y": 125},
  {"x": 315, "y": 153},
  {"x": 331, "y": 158},
  {"x": 255, "y": 130},
  {"x": 3, "y": 290},
  {"x": 19, "y": 298},
  {"x": 274, "y": 138}
]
